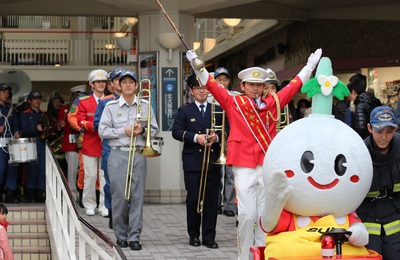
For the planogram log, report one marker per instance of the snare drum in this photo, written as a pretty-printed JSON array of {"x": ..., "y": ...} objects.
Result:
[
  {"x": 157, "y": 143},
  {"x": 22, "y": 150}
]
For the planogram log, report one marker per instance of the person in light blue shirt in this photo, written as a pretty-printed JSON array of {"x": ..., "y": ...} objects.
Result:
[{"x": 120, "y": 124}]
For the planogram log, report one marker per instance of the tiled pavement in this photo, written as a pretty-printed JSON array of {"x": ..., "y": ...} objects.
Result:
[{"x": 164, "y": 235}]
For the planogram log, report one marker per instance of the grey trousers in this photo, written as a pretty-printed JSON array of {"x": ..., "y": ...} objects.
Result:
[
  {"x": 226, "y": 197},
  {"x": 127, "y": 216}
]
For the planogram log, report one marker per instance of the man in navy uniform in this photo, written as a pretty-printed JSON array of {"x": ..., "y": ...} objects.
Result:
[{"x": 190, "y": 126}]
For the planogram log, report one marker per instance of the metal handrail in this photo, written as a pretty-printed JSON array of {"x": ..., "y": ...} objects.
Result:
[{"x": 70, "y": 234}]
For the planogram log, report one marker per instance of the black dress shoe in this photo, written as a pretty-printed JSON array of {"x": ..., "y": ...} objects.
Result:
[
  {"x": 135, "y": 245},
  {"x": 122, "y": 243},
  {"x": 219, "y": 211},
  {"x": 210, "y": 244},
  {"x": 229, "y": 213},
  {"x": 194, "y": 242},
  {"x": 80, "y": 191},
  {"x": 110, "y": 222}
]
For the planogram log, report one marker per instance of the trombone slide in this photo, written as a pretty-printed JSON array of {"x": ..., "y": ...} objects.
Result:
[
  {"x": 203, "y": 176},
  {"x": 206, "y": 156}
]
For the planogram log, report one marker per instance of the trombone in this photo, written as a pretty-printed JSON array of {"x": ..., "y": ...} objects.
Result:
[
  {"x": 206, "y": 154},
  {"x": 147, "y": 150},
  {"x": 282, "y": 116}
]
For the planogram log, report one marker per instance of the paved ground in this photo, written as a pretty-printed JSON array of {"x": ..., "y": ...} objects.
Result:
[{"x": 164, "y": 235}]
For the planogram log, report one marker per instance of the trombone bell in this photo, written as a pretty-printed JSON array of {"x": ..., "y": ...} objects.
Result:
[
  {"x": 221, "y": 159},
  {"x": 149, "y": 152}
]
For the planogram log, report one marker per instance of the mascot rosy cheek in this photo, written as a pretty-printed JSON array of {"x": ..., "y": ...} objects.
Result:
[{"x": 317, "y": 171}]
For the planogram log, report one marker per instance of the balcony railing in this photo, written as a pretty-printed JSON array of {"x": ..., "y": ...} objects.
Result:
[
  {"x": 63, "y": 48},
  {"x": 48, "y": 41},
  {"x": 53, "y": 22}
]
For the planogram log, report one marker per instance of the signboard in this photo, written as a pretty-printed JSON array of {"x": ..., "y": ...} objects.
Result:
[
  {"x": 169, "y": 84},
  {"x": 148, "y": 73}
]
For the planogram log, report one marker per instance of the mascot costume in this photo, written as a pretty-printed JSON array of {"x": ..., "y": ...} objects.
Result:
[{"x": 317, "y": 171}]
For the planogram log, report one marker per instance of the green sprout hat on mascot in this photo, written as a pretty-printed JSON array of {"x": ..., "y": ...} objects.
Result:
[{"x": 317, "y": 171}]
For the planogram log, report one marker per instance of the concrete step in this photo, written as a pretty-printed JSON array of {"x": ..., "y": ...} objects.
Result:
[
  {"x": 28, "y": 239},
  {"x": 27, "y": 232},
  {"x": 34, "y": 253},
  {"x": 27, "y": 226}
]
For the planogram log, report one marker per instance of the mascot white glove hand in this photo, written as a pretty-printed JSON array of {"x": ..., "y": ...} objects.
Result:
[
  {"x": 277, "y": 193},
  {"x": 359, "y": 234},
  {"x": 312, "y": 63},
  {"x": 202, "y": 74}
]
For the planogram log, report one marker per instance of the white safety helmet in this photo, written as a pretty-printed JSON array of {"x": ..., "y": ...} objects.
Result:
[
  {"x": 79, "y": 88},
  {"x": 271, "y": 77}
]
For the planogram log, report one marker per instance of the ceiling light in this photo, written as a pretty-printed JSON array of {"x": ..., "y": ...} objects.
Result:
[
  {"x": 196, "y": 45},
  {"x": 232, "y": 22}
]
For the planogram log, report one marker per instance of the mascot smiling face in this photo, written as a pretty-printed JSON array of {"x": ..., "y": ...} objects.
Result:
[{"x": 326, "y": 163}]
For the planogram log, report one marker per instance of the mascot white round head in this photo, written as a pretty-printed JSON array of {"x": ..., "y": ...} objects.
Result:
[{"x": 326, "y": 163}]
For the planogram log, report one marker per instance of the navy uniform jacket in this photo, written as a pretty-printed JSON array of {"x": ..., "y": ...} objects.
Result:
[
  {"x": 28, "y": 120},
  {"x": 188, "y": 122},
  {"x": 12, "y": 120}
]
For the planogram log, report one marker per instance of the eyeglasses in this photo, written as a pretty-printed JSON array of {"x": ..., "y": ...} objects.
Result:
[{"x": 199, "y": 88}]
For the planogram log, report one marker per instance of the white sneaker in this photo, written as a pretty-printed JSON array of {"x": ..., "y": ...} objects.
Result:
[
  {"x": 104, "y": 213},
  {"x": 90, "y": 212}
]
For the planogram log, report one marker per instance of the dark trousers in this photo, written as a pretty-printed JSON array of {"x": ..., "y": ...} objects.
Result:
[
  {"x": 8, "y": 172},
  {"x": 107, "y": 191},
  {"x": 35, "y": 171},
  {"x": 387, "y": 246},
  {"x": 208, "y": 218}
]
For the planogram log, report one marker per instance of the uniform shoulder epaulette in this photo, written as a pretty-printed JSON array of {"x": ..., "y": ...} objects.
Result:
[
  {"x": 84, "y": 97},
  {"x": 115, "y": 101},
  {"x": 144, "y": 101},
  {"x": 108, "y": 96}
]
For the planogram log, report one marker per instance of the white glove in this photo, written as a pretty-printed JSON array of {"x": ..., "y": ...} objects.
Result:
[
  {"x": 277, "y": 193},
  {"x": 359, "y": 235},
  {"x": 312, "y": 63},
  {"x": 314, "y": 59},
  {"x": 191, "y": 55}
]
